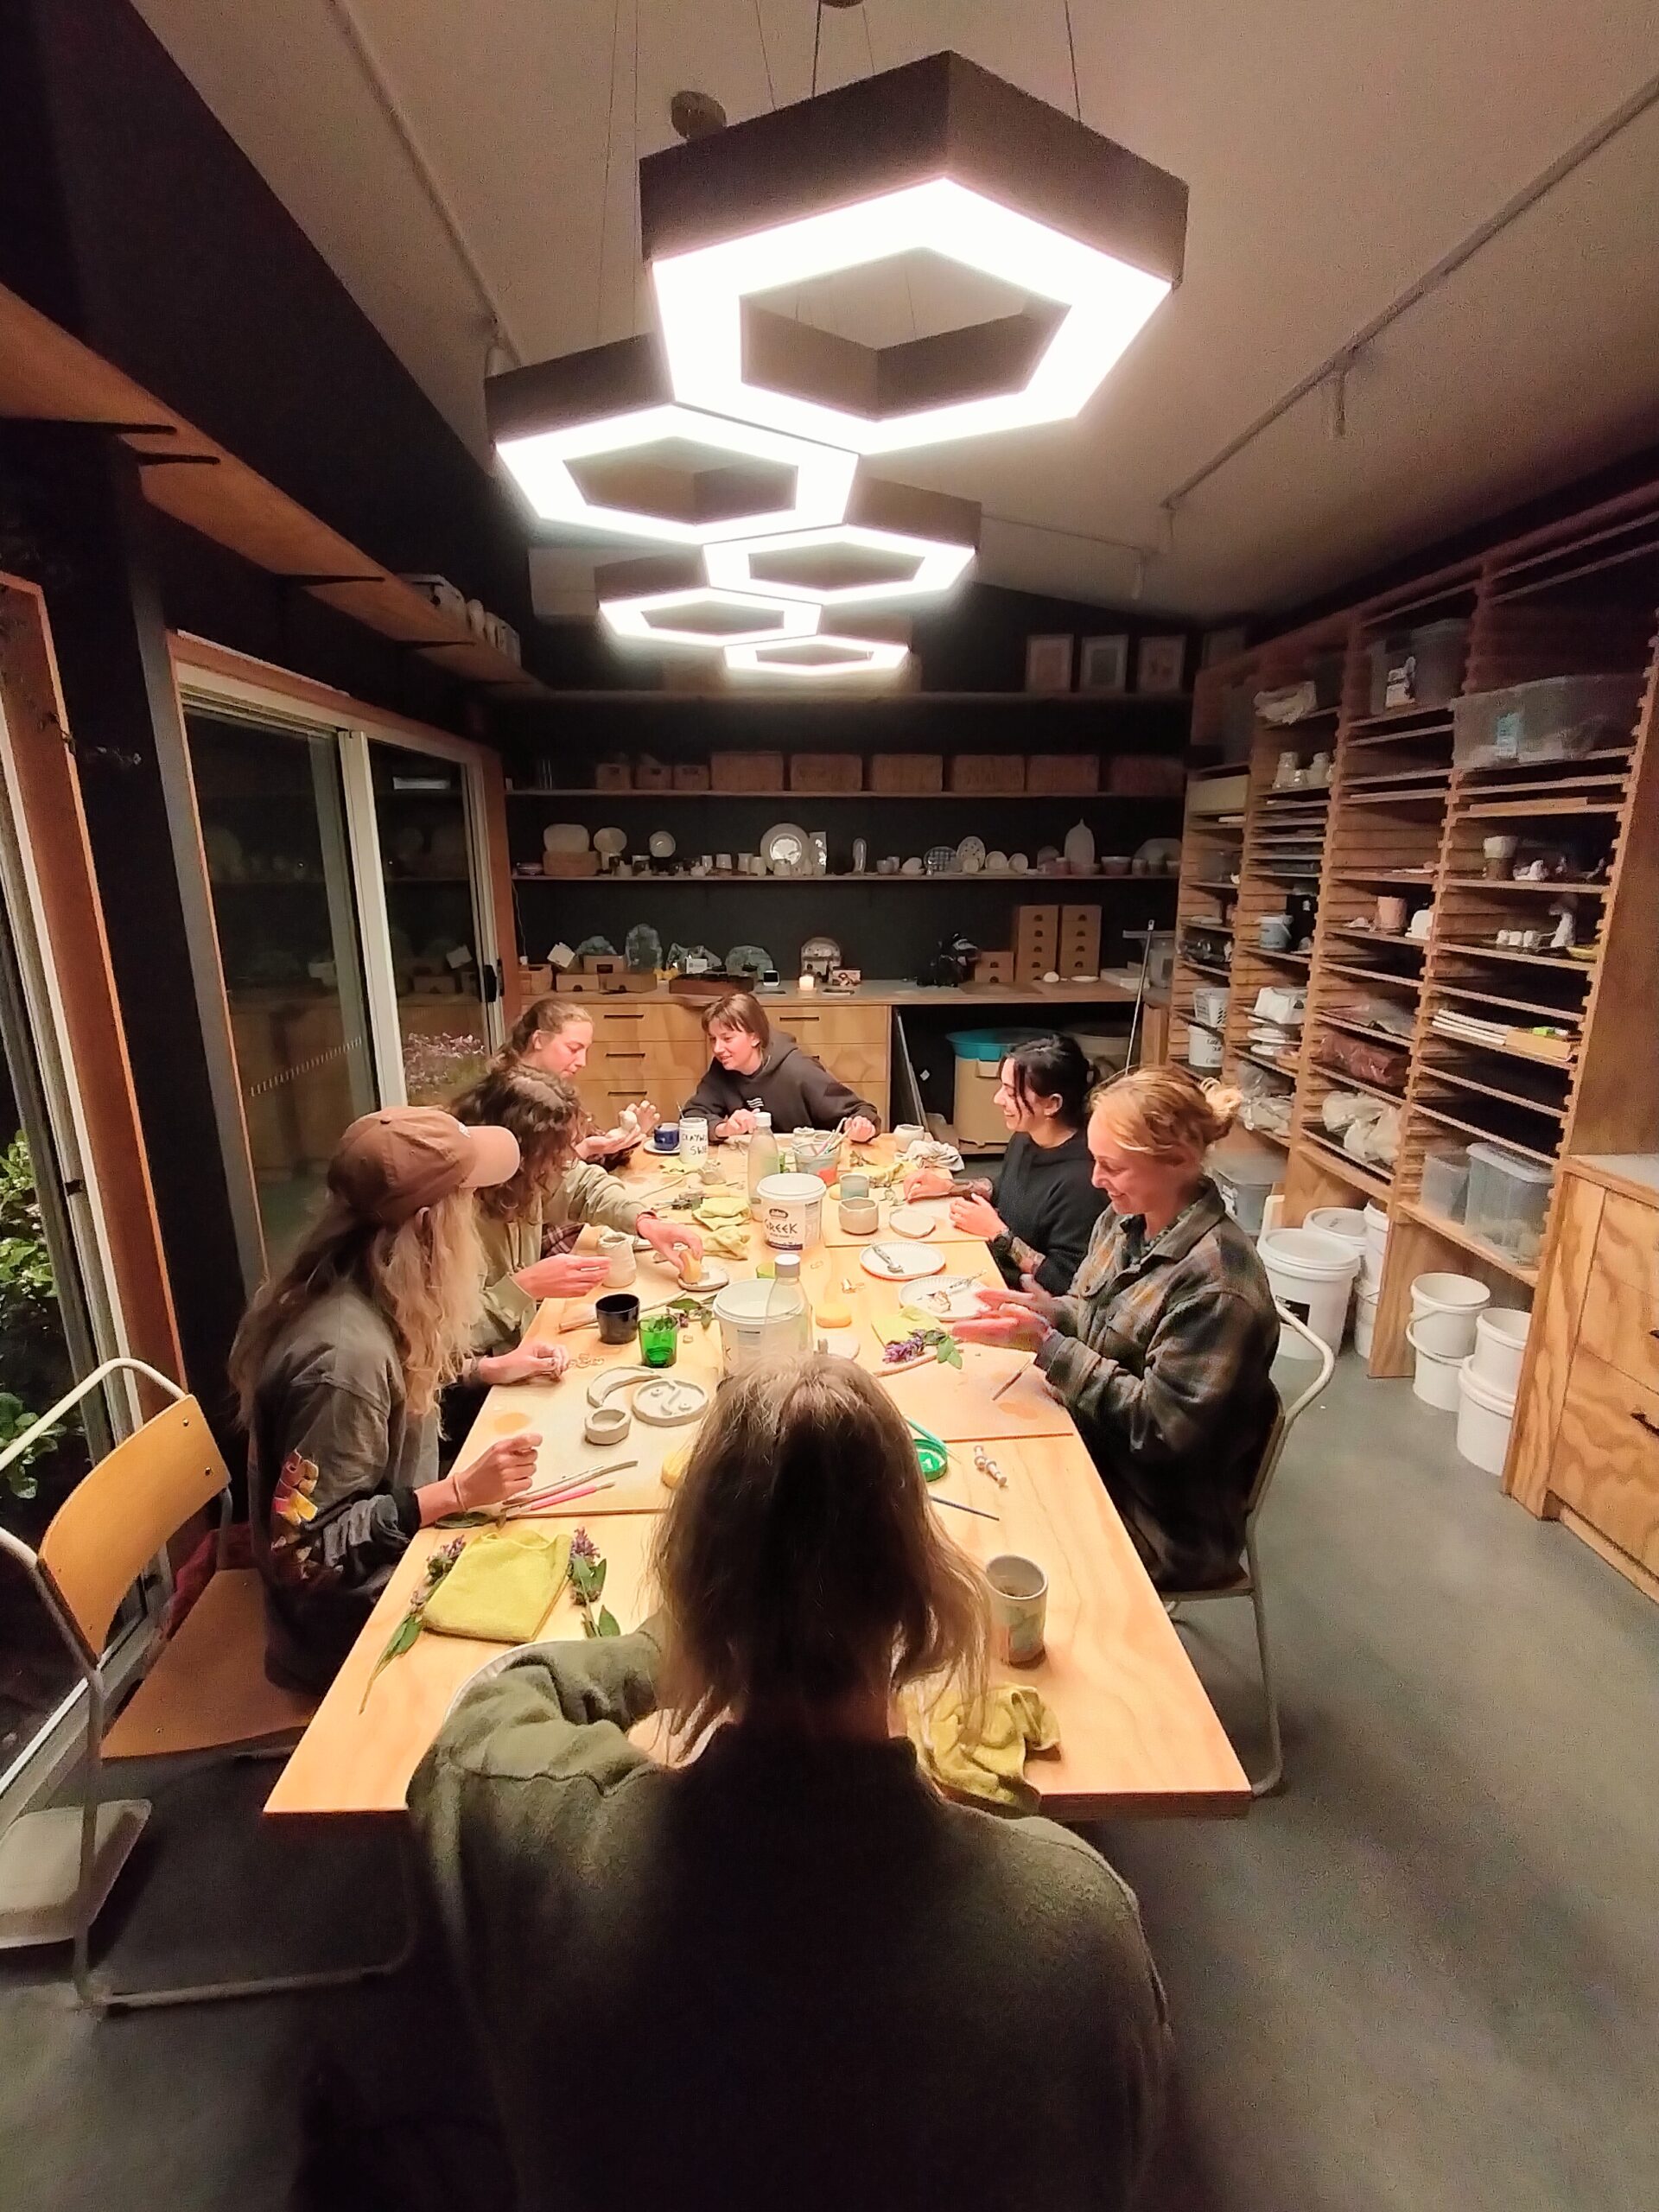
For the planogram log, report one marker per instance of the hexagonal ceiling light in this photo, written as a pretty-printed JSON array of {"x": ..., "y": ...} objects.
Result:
[
  {"x": 878, "y": 646},
  {"x": 596, "y": 439},
  {"x": 667, "y": 602},
  {"x": 939, "y": 157},
  {"x": 896, "y": 544}
]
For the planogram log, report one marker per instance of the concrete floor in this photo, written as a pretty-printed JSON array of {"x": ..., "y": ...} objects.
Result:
[{"x": 1424, "y": 1980}]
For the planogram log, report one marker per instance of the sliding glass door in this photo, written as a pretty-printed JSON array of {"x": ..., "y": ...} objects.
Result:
[{"x": 352, "y": 909}]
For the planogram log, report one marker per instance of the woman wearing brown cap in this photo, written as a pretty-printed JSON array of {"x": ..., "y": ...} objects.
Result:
[{"x": 338, "y": 1365}]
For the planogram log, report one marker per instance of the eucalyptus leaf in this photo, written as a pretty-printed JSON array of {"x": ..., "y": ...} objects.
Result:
[{"x": 608, "y": 1622}]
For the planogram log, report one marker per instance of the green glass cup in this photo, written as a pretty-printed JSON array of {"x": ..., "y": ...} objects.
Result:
[{"x": 659, "y": 1339}]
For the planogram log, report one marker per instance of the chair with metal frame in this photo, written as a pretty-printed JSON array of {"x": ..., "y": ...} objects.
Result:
[
  {"x": 205, "y": 1691},
  {"x": 1247, "y": 1583}
]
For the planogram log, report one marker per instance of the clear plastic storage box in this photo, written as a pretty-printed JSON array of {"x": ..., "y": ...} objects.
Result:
[
  {"x": 1245, "y": 1180},
  {"x": 1507, "y": 1201},
  {"x": 1445, "y": 1178},
  {"x": 1561, "y": 718}
]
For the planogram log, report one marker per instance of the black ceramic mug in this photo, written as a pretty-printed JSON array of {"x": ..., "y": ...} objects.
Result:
[{"x": 619, "y": 1318}]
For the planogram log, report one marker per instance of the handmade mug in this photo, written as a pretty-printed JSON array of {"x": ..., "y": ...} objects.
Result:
[
  {"x": 1018, "y": 1608},
  {"x": 616, "y": 1247}
]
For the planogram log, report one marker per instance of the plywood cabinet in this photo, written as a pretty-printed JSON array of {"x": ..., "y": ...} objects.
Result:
[
  {"x": 1586, "y": 1433},
  {"x": 655, "y": 1049}
]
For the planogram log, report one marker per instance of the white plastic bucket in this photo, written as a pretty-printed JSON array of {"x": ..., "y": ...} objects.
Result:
[
  {"x": 1203, "y": 1048},
  {"x": 1377, "y": 1245},
  {"x": 788, "y": 1211},
  {"x": 759, "y": 1321},
  {"x": 1365, "y": 1321},
  {"x": 1459, "y": 1296},
  {"x": 1437, "y": 1339},
  {"x": 1500, "y": 1341},
  {"x": 1210, "y": 1004},
  {"x": 1311, "y": 1274},
  {"x": 1485, "y": 1414}
]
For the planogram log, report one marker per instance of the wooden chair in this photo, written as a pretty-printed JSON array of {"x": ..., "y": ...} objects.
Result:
[
  {"x": 204, "y": 1692},
  {"x": 1247, "y": 1583}
]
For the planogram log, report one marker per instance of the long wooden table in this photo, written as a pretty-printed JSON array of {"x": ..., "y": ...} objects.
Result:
[{"x": 1137, "y": 1733}]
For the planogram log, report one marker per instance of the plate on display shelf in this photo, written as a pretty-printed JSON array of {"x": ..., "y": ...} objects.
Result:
[
  {"x": 955, "y": 1298},
  {"x": 611, "y": 843},
  {"x": 970, "y": 856},
  {"x": 787, "y": 850},
  {"x": 892, "y": 1261}
]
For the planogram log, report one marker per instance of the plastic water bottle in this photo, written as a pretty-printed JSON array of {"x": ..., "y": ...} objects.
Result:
[
  {"x": 763, "y": 1153},
  {"x": 789, "y": 1296}
]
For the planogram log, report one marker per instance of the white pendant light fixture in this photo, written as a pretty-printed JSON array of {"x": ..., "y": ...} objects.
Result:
[
  {"x": 818, "y": 658},
  {"x": 938, "y": 157},
  {"x": 667, "y": 602},
  {"x": 596, "y": 439},
  {"x": 896, "y": 544}
]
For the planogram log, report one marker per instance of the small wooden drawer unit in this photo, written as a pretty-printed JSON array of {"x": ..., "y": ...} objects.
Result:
[
  {"x": 654, "y": 1048},
  {"x": 1586, "y": 1435}
]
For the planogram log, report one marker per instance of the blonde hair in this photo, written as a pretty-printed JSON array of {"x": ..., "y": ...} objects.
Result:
[
  {"x": 1166, "y": 1112},
  {"x": 541, "y": 1018},
  {"x": 799, "y": 1560},
  {"x": 426, "y": 1276},
  {"x": 545, "y": 1115}
]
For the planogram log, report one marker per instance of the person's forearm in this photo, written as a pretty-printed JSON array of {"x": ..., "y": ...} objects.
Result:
[{"x": 1023, "y": 1258}]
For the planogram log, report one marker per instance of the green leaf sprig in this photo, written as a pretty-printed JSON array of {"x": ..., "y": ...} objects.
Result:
[
  {"x": 405, "y": 1636},
  {"x": 588, "y": 1581}
]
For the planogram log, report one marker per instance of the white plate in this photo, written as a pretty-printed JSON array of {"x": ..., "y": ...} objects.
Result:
[
  {"x": 955, "y": 1298},
  {"x": 610, "y": 842},
  {"x": 787, "y": 850},
  {"x": 971, "y": 853},
  {"x": 1020, "y": 864},
  {"x": 713, "y": 1277},
  {"x": 996, "y": 863},
  {"x": 662, "y": 846},
  {"x": 912, "y": 1221},
  {"x": 898, "y": 1262}
]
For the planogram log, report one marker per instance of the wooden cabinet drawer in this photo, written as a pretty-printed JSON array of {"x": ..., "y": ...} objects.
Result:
[
  {"x": 620, "y": 1021},
  {"x": 813, "y": 1028},
  {"x": 1620, "y": 1322},
  {"x": 1627, "y": 1244},
  {"x": 1606, "y": 1459}
]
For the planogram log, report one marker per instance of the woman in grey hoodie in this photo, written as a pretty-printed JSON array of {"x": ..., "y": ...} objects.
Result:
[{"x": 758, "y": 1068}]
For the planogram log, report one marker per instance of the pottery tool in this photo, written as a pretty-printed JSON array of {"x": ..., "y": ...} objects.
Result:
[
  {"x": 1002, "y": 1388},
  {"x": 957, "y": 1506},
  {"x": 552, "y": 1492},
  {"x": 523, "y": 1512}
]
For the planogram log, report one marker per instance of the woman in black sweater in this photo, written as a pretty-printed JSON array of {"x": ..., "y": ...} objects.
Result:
[{"x": 1040, "y": 1213}]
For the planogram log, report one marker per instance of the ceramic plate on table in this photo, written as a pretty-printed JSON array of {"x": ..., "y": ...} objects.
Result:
[
  {"x": 912, "y": 1221},
  {"x": 787, "y": 850},
  {"x": 713, "y": 1277},
  {"x": 892, "y": 1261},
  {"x": 954, "y": 1298}
]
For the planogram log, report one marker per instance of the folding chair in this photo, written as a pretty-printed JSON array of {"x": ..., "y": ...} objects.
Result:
[
  {"x": 1247, "y": 1583},
  {"x": 206, "y": 1690}
]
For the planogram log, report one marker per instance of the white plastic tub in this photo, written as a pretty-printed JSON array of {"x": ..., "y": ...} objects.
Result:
[
  {"x": 789, "y": 1210},
  {"x": 1311, "y": 1275},
  {"x": 1377, "y": 1246},
  {"x": 1485, "y": 1415},
  {"x": 1438, "y": 1341},
  {"x": 1500, "y": 1345},
  {"x": 1364, "y": 1321},
  {"x": 1459, "y": 1297}
]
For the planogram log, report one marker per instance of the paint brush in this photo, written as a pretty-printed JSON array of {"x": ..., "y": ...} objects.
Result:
[
  {"x": 957, "y": 1506},
  {"x": 527, "y": 1509}
]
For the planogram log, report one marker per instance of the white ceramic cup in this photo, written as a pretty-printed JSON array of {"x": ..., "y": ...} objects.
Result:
[
  {"x": 1018, "y": 1608},
  {"x": 617, "y": 1248}
]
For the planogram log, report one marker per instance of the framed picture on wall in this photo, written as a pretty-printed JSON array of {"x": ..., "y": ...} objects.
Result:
[
  {"x": 1103, "y": 664},
  {"x": 1048, "y": 664},
  {"x": 1160, "y": 664},
  {"x": 1222, "y": 644}
]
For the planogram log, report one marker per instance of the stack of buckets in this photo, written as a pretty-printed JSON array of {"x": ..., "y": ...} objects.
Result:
[
  {"x": 1312, "y": 1269},
  {"x": 1468, "y": 1362}
]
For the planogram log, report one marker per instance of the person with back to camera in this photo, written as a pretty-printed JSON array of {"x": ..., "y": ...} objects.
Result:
[
  {"x": 1040, "y": 1212},
  {"x": 758, "y": 1068},
  {"x": 337, "y": 1366},
  {"x": 548, "y": 1200},
  {"x": 1163, "y": 1348},
  {"x": 554, "y": 1036},
  {"x": 800, "y": 1977}
]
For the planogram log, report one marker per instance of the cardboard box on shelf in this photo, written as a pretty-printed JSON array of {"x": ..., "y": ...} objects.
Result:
[
  {"x": 987, "y": 774},
  {"x": 690, "y": 776},
  {"x": 746, "y": 772},
  {"x": 612, "y": 776},
  {"x": 826, "y": 772},
  {"x": 1074, "y": 774},
  {"x": 651, "y": 775},
  {"x": 535, "y": 982},
  {"x": 907, "y": 775},
  {"x": 1146, "y": 775}
]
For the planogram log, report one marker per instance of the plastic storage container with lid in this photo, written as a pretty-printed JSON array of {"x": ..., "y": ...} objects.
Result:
[
  {"x": 1393, "y": 674},
  {"x": 1507, "y": 1201},
  {"x": 1445, "y": 1177},
  {"x": 1244, "y": 1180},
  {"x": 980, "y": 1054},
  {"x": 1558, "y": 718}
]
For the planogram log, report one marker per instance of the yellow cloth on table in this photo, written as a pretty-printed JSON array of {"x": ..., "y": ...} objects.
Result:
[
  {"x": 502, "y": 1587},
  {"x": 981, "y": 1754}
]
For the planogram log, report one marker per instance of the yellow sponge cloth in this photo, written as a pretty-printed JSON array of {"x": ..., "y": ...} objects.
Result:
[{"x": 502, "y": 1587}]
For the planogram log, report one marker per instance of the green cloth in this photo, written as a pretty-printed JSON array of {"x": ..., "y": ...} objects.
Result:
[
  {"x": 983, "y": 1755},
  {"x": 787, "y": 1973},
  {"x": 502, "y": 1587}
]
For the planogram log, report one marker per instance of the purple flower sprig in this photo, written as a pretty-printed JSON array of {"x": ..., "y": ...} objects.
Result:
[
  {"x": 406, "y": 1633},
  {"x": 588, "y": 1581}
]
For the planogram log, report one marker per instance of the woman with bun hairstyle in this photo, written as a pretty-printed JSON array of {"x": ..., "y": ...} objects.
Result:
[
  {"x": 553, "y": 1036},
  {"x": 1162, "y": 1350},
  {"x": 1040, "y": 1212}
]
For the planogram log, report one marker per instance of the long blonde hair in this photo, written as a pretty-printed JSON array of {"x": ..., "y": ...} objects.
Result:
[
  {"x": 799, "y": 1560},
  {"x": 426, "y": 1276},
  {"x": 1166, "y": 1112}
]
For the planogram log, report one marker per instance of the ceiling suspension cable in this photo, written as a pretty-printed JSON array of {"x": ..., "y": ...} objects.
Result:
[{"x": 604, "y": 187}]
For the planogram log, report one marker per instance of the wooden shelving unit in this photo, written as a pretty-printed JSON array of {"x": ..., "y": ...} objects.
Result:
[{"x": 1404, "y": 820}]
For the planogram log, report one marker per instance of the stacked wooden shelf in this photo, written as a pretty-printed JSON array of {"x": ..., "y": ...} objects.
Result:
[{"x": 1403, "y": 821}]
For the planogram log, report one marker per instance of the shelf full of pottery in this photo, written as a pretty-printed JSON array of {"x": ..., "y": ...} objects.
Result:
[{"x": 789, "y": 852}]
